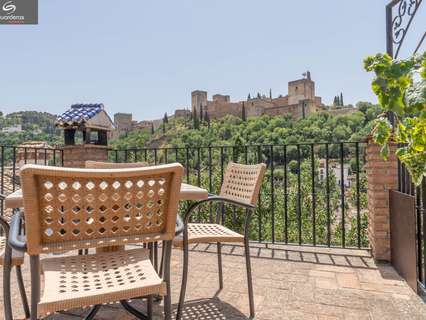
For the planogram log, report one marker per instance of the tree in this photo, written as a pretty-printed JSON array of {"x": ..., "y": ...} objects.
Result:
[
  {"x": 248, "y": 97},
  {"x": 165, "y": 119},
  {"x": 335, "y": 102},
  {"x": 243, "y": 113},
  {"x": 341, "y": 99},
  {"x": 207, "y": 119},
  {"x": 258, "y": 95},
  {"x": 201, "y": 112},
  {"x": 270, "y": 93},
  {"x": 152, "y": 127},
  {"x": 196, "y": 121}
]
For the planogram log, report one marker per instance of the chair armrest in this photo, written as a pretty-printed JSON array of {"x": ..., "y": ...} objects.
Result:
[
  {"x": 15, "y": 241},
  {"x": 215, "y": 198}
]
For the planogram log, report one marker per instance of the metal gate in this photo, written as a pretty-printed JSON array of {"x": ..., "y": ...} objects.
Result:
[
  {"x": 408, "y": 214},
  {"x": 403, "y": 236}
]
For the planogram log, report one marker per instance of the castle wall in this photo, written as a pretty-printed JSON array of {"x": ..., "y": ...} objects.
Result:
[
  {"x": 123, "y": 124},
  {"x": 198, "y": 98},
  {"x": 182, "y": 113},
  {"x": 300, "y": 90},
  {"x": 281, "y": 101},
  {"x": 221, "y": 98},
  {"x": 301, "y": 100},
  {"x": 218, "y": 109},
  {"x": 253, "y": 110}
]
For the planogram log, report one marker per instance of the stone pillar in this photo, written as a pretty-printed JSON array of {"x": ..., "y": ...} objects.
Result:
[
  {"x": 76, "y": 156},
  {"x": 382, "y": 176}
]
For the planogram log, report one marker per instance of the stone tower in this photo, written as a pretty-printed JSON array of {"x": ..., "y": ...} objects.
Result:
[
  {"x": 303, "y": 89},
  {"x": 198, "y": 98}
]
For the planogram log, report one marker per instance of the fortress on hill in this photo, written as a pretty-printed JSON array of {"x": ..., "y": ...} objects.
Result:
[{"x": 299, "y": 102}]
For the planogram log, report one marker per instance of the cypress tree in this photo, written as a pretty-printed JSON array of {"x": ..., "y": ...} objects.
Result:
[
  {"x": 166, "y": 119},
  {"x": 196, "y": 121},
  {"x": 248, "y": 97},
  {"x": 152, "y": 127},
  {"x": 207, "y": 119},
  {"x": 270, "y": 93},
  {"x": 201, "y": 112},
  {"x": 243, "y": 113},
  {"x": 258, "y": 95},
  {"x": 341, "y": 99}
]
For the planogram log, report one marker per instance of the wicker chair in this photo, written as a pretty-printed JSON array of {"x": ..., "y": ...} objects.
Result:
[
  {"x": 77, "y": 209},
  {"x": 241, "y": 186},
  {"x": 90, "y": 164},
  {"x": 8, "y": 259}
]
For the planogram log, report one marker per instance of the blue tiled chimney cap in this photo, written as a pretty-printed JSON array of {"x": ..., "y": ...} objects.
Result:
[{"x": 79, "y": 113}]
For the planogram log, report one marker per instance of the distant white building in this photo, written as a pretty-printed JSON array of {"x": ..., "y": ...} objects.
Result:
[
  {"x": 335, "y": 167},
  {"x": 12, "y": 129}
]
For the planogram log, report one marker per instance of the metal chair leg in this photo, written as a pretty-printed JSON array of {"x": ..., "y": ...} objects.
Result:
[
  {"x": 184, "y": 277},
  {"x": 168, "y": 297},
  {"x": 158, "y": 298},
  {"x": 156, "y": 256},
  {"x": 133, "y": 311},
  {"x": 219, "y": 263},
  {"x": 160, "y": 273},
  {"x": 35, "y": 285},
  {"x": 93, "y": 312},
  {"x": 22, "y": 291},
  {"x": 149, "y": 307},
  {"x": 6, "y": 283},
  {"x": 249, "y": 278}
]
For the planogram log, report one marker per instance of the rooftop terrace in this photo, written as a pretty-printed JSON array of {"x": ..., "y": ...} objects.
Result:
[{"x": 290, "y": 282}]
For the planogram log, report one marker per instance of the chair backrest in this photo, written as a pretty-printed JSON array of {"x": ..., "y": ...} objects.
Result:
[
  {"x": 242, "y": 182},
  {"x": 67, "y": 208},
  {"x": 89, "y": 164}
]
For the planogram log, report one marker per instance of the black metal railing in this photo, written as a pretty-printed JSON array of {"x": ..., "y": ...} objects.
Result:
[
  {"x": 303, "y": 198},
  {"x": 312, "y": 193},
  {"x": 13, "y": 157}
]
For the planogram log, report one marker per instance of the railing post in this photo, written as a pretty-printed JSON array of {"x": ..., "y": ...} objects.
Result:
[{"x": 382, "y": 176}]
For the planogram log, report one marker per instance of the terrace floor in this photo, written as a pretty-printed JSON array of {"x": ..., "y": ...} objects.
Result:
[{"x": 290, "y": 282}]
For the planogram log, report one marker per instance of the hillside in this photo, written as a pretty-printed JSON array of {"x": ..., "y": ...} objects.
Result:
[
  {"x": 318, "y": 127},
  {"x": 28, "y": 125}
]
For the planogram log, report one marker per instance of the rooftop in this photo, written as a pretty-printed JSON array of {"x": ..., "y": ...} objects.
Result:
[{"x": 290, "y": 282}]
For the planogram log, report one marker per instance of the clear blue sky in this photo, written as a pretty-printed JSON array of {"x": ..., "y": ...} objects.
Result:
[{"x": 146, "y": 57}]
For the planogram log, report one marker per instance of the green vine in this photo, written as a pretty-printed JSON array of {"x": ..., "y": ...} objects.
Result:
[{"x": 400, "y": 86}]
